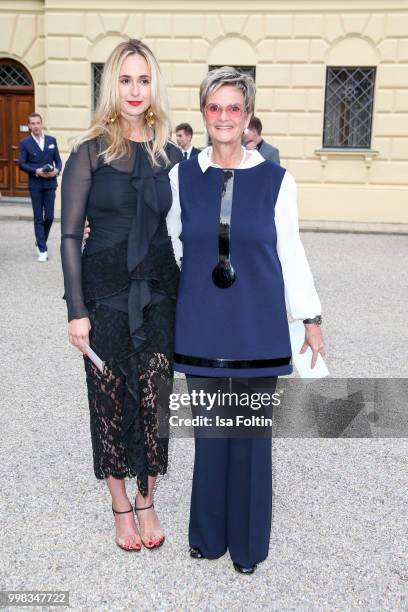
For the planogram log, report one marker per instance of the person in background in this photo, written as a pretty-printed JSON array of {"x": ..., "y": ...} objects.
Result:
[
  {"x": 40, "y": 158},
  {"x": 253, "y": 140},
  {"x": 184, "y": 136}
]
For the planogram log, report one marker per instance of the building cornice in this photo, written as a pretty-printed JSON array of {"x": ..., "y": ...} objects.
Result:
[{"x": 205, "y": 6}]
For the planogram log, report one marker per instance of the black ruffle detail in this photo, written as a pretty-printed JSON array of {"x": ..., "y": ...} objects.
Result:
[
  {"x": 153, "y": 203},
  {"x": 145, "y": 263},
  {"x": 156, "y": 276}
]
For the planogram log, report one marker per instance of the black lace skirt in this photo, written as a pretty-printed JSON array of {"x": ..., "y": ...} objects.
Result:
[{"x": 129, "y": 402}]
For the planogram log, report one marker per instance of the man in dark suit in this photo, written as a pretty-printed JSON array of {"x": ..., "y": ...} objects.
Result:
[
  {"x": 253, "y": 140},
  {"x": 39, "y": 157},
  {"x": 184, "y": 136}
]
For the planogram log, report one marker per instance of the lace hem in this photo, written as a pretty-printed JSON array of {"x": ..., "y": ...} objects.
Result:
[{"x": 129, "y": 401}]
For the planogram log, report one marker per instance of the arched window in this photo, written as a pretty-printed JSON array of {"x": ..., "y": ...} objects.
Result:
[{"x": 13, "y": 74}]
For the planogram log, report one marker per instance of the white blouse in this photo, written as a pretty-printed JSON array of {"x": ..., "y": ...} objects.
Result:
[{"x": 301, "y": 298}]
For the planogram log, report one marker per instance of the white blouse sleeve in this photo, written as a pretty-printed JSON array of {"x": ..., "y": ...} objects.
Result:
[
  {"x": 302, "y": 301},
  {"x": 173, "y": 219}
]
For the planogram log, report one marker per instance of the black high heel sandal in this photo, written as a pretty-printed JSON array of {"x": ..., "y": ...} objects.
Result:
[
  {"x": 127, "y": 548},
  {"x": 144, "y": 540}
]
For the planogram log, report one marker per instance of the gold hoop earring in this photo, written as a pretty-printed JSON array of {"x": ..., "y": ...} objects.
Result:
[{"x": 150, "y": 117}]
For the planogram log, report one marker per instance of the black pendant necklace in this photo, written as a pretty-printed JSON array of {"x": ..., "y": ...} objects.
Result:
[{"x": 223, "y": 274}]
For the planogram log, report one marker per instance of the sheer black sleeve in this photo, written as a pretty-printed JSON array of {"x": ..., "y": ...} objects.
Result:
[{"x": 76, "y": 182}]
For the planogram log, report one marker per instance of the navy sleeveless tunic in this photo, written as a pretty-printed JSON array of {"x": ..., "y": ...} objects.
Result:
[{"x": 242, "y": 330}]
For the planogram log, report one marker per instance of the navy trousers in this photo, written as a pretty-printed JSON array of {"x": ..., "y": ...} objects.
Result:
[
  {"x": 231, "y": 499},
  {"x": 43, "y": 210}
]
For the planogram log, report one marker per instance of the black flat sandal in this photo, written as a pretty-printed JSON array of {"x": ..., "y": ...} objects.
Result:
[
  {"x": 244, "y": 570},
  {"x": 195, "y": 553},
  {"x": 144, "y": 540},
  {"x": 128, "y": 549}
]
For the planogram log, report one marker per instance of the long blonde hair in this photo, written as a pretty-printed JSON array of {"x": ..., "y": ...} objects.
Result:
[{"x": 106, "y": 122}]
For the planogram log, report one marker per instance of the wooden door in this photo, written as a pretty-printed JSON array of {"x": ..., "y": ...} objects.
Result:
[
  {"x": 4, "y": 147},
  {"x": 21, "y": 107},
  {"x": 14, "y": 110},
  {"x": 16, "y": 102}
]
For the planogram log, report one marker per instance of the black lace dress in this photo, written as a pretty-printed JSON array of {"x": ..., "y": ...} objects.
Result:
[{"x": 126, "y": 283}]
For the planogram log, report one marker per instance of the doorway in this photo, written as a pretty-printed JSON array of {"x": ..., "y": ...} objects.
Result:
[{"x": 16, "y": 102}]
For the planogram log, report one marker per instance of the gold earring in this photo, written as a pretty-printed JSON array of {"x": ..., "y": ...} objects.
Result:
[
  {"x": 150, "y": 117},
  {"x": 113, "y": 118}
]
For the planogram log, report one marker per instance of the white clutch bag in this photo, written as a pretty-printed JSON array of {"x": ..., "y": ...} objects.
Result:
[{"x": 96, "y": 360}]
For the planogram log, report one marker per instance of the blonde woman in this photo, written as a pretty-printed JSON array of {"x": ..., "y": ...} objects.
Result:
[{"x": 121, "y": 293}]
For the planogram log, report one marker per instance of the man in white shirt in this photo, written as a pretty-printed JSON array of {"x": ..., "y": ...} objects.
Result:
[
  {"x": 184, "y": 136},
  {"x": 39, "y": 157}
]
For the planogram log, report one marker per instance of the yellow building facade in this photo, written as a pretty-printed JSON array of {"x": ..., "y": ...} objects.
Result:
[{"x": 292, "y": 46}]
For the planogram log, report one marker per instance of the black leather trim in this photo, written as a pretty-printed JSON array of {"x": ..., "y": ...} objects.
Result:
[{"x": 235, "y": 364}]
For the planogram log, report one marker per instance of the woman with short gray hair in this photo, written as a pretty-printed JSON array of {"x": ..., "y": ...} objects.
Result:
[
  {"x": 220, "y": 77},
  {"x": 241, "y": 256}
]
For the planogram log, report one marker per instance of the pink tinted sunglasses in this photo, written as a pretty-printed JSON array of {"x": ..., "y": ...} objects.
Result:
[{"x": 213, "y": 110}]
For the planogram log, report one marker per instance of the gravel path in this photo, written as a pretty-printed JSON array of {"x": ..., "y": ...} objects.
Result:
[{"x": 339, "y": 538}]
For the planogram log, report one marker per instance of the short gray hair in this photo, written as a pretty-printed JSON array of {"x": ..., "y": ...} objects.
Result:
[{"x": 227, "y": 75}]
